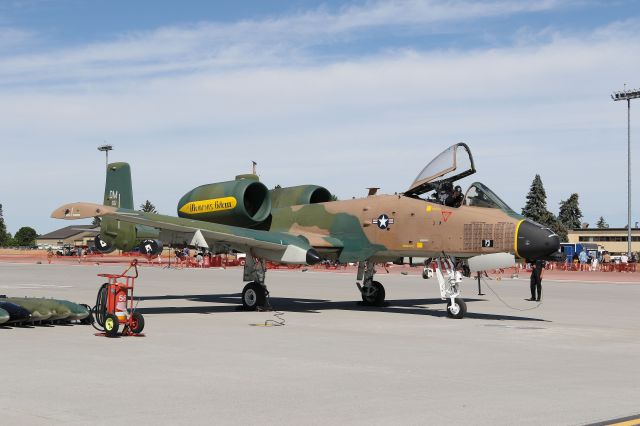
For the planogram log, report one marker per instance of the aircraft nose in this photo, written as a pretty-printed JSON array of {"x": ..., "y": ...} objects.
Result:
[{"x": 535, "y": 241}]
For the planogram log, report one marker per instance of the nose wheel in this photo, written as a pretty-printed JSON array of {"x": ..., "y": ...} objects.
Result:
[{"x": 456, "y": 309}]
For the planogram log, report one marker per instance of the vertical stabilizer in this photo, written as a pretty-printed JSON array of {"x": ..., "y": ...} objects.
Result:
[{"x": 117, "y": 190}]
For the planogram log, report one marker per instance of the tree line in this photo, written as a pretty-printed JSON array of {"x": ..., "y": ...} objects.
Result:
[
  {"x": 569, "y": 214},
  {"x": 26, "y": 236}
]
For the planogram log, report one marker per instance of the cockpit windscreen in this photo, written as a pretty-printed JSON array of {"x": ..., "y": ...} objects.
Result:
[{"x": 479, "y": 195}]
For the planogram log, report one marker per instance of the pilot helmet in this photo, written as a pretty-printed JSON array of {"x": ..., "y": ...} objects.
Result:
[
  {"x": 458, "y": 188},
  {"x": 447, "y": 186}
]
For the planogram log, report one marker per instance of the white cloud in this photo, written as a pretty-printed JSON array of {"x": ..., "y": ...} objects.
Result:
[
  {"x": 14, "y": 38},
  {"x": 348, "y": 124},
  {"x": 279, "y": 40}
]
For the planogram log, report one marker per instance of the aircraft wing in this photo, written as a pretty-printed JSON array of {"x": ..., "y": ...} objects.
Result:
[{"x": 275, "y": 246}]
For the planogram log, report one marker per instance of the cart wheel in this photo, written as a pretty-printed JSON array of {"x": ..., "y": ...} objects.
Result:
[
  {"x": 111, "y": 325},
  {"x": 137, "y": 323}
]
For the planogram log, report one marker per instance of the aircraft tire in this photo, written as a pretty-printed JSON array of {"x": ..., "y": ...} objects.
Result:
[
  {"x": 137, "y": 323},
  {"x": 461, "y": 311},
  {"x": 377, "y": 298},
  {"x": 111, "y": 325},
  {"x": 253, "y": 295}
]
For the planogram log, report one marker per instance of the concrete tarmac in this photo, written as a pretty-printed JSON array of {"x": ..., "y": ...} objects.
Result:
[{"x": 573, "y": 360}]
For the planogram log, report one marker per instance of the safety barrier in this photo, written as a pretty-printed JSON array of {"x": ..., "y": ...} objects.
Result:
[{"x": 586, "y": 267}]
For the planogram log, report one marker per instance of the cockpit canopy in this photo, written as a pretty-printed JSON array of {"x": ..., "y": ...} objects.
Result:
[
  {"x": 435, "y": 182},
  {"x": 454, "y": 163}
]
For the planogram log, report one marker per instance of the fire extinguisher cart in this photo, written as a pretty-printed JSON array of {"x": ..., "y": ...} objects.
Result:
[{"x": 114, "y": 304}]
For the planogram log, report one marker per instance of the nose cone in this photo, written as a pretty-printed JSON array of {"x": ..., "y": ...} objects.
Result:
[{"x": 534, "y": 241}]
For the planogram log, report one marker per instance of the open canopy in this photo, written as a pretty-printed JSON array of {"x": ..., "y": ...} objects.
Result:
[{"x": 454, "y": 163}]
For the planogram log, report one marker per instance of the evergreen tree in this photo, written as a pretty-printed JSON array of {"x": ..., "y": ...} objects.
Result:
[
  {"x": 536, "y": 205},
  {"x": 3, "y": 230},
  {"x": 96, "y": 221},
  {"x": 536, "y": 209},
  {"x": 602, "y": 223},
  {"x": 333, "y": 197},
  {"x": 148, "y": 207},
  {"x": 570, "y": 215},
  {"x": 26, "y": 236},
  {"x": 559, "y": 228}
]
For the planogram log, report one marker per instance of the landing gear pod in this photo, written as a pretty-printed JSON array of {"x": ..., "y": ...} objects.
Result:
[
  {"x": 102, "y": 246},
  {"x": 151, "y": 247}
]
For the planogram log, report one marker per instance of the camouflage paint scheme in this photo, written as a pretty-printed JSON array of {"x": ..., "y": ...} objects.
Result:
[
  {"x": 343, "y": 230},
  {"x": 374, "y": 228}
]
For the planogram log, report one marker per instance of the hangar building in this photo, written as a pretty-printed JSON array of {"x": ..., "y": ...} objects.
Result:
[
  {"x": 613, "y": 240},
  {"x": 78, "y": 235}
]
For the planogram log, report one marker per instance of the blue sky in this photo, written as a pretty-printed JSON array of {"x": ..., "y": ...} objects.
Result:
[{"x": 343, "y": 94}]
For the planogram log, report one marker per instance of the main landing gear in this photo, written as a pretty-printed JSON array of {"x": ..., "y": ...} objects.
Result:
[
  {"x": 449, "y": 279},
  {"x": 255, "y": 294},
  {"x": 372, "y": 292}
]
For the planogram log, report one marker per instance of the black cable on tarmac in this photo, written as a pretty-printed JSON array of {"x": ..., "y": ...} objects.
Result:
[{"x": 505, "y": 303}]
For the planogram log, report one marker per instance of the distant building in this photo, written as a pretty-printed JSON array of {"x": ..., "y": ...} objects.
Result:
[
  {"x": 613, "y": 240},
  {"x": 78, "y": 235}
]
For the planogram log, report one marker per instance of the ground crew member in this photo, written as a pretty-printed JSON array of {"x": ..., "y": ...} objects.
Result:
[{"x": 536, "y": 280}]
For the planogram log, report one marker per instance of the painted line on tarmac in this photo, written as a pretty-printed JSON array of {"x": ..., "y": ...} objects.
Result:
[
  {"x": 623, "y": 421},
  {"x": 33, "y": 286}
]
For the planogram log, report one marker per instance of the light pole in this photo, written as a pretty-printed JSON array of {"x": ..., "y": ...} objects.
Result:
[
  {"x": 106, "y": 149},
  {"x": 627, "y": 95}
]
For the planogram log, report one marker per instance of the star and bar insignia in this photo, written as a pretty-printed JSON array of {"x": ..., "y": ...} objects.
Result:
[{"x": 383, "y": 221}]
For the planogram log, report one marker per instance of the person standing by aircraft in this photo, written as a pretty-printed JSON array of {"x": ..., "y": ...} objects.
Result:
[{"x": 536, "y": 280}]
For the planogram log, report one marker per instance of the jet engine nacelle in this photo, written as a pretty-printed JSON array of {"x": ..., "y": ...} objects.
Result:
[
  {"x": 299, "y": 195},
  {"x": 150, "y": 247},
  {"x": 241, "y": 202}
]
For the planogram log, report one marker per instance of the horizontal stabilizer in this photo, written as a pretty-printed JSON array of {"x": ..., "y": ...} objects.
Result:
[{"x": 81, "y": 211}]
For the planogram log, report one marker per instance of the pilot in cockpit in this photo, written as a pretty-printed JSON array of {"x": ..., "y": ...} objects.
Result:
[
  {"x": 456, "y": 198},
  {"x": 445, "y": 193},
  {"x": 450, "y": 196}
]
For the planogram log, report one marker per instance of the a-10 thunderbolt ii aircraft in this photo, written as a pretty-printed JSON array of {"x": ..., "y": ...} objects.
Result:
[{"x": 300, "y": 225}]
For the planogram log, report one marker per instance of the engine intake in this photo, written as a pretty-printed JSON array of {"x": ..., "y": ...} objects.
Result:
[{"x": 241, "y": 202}]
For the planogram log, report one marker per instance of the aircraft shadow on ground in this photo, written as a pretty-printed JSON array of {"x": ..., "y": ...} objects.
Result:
[{"x": 232, "y": 303}]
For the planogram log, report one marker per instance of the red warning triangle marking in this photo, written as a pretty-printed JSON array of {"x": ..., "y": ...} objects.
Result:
[{"x": 445, "y": 215}]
